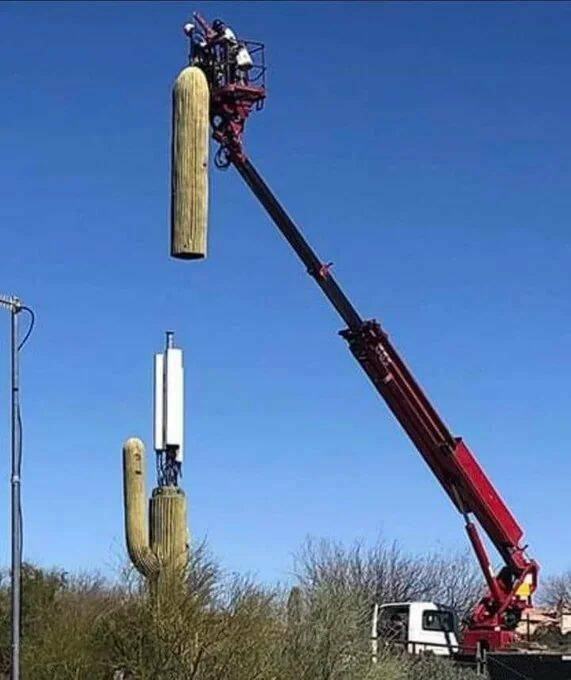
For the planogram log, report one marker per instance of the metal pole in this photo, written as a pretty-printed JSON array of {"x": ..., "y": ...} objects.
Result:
[
  {"x": 16, "y": 516},
  {"x": 318, "y": 270},
  {"x": 375, "y": 635}
]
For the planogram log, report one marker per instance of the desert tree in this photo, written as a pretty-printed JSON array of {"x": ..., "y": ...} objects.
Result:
[{"x": 556, "y": 591}]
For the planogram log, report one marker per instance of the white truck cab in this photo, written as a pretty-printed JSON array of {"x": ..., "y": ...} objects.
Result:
[{"x": 420, "y": 627}]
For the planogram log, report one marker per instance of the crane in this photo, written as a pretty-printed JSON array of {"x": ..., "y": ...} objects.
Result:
[{"x": 234, "y": 94}]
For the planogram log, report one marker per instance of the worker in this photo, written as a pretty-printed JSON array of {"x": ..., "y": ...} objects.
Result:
[
  {"x": 224, "y": 33},
  {"x": 198, "y": 45},
  {"x": 236, "y": 52}
]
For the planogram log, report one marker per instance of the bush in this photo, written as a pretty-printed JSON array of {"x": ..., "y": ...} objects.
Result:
[{"x": 219, "y": 627}]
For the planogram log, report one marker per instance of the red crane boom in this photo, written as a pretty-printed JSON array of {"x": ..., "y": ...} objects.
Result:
[{"x": 494, "y": 619}]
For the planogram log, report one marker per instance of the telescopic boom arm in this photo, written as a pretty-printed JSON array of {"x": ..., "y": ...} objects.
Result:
[
  {"x": 449, "y": 458},
  {"x": 494, "y": 619}
]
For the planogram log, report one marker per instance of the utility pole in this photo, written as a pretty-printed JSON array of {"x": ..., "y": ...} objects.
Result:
[
  {"x": 15, "y": 306},
  {"x": 16, "y": 488}
]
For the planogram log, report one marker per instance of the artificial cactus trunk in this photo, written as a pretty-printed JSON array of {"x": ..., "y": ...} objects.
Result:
[
  {"x": 168, "y": 532},
  {"x": 189, "y": 172},
  {"x": 157, "y": 537}
]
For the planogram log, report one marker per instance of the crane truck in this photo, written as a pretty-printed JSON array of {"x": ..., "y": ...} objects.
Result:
[{"x": 234, "y": 94}]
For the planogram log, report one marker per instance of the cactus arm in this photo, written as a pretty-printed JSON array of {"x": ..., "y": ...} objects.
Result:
[{"x": 135, "y": 502}]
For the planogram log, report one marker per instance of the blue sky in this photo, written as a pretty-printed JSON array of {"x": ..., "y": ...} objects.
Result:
[{"x": 423, "y": 148}]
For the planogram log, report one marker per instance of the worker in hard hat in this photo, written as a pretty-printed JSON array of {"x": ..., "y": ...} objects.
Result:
[{"x": 198, "y": 45}]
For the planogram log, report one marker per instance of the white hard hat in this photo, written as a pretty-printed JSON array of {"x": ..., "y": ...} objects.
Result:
[{"x": 188, "y": 28}]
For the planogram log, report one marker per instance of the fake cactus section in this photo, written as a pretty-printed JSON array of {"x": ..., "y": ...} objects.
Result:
[
  {"x": 155, "y": 529},
  {"x": 189, "y": 174}
]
